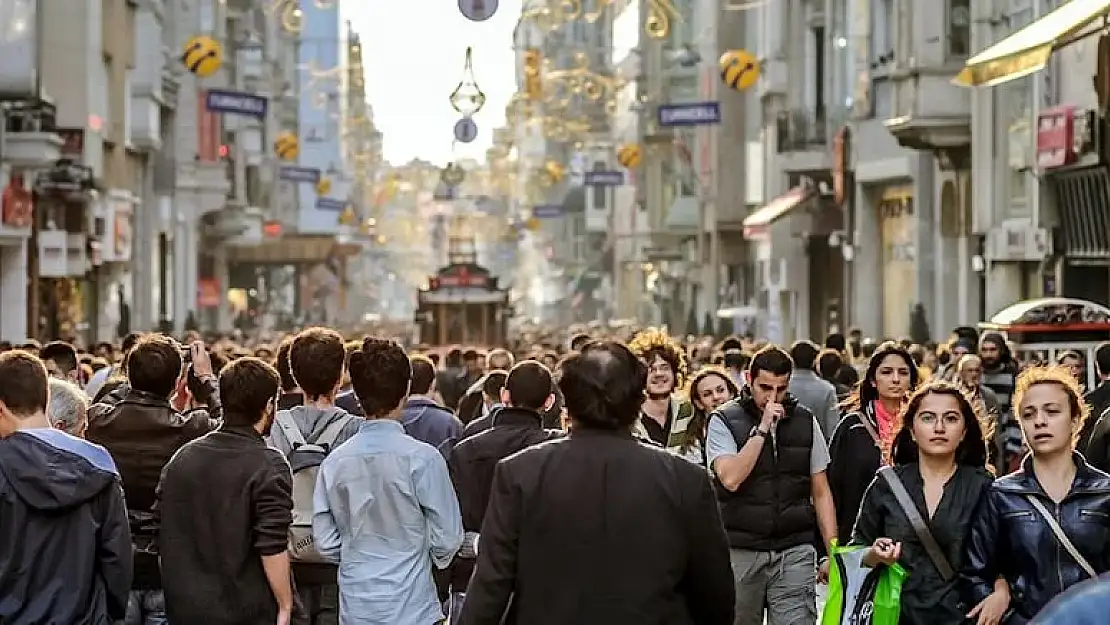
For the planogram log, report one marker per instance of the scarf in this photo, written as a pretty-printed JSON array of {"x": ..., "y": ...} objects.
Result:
[{"x": 887, "y": 429}]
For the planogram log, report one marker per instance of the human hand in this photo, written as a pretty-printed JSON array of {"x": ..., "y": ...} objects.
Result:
[
  {"x": 991, "y": 610},
  {"x": 885, "y": 551},
  {"x": 772, "y": 412},
  {"x": 202, "y": 364}
]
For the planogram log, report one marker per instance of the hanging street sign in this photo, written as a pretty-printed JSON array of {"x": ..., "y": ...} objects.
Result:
[
  {"x": 300, "y": 174},
  {"x": 689, "y": 114},
  {"x": 330, "y": 204},
  {"x": 466, "y": 130},
  {"x": 604, "y": 178},
  {"x": 547, "y": 211},
  {"x": 237, "y": 103},
  {"x": 478, "y": 10}
]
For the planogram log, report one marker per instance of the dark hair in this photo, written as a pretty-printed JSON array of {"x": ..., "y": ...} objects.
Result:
[
  {"x": 434, "y": 358},
  {"x": 737, "y": 358},
  {"x": 380, "y": 376},
  {"x": 529, "y": 385},
  {"x": 732, "y": 342},
  {"x": 247, "y": 387},
  {"x": 316, "y": 359},
  {"x": 828, "y": 363},
  {"x": 578, "y": 340},
  {"x": 130, "y": 341},
  {"x": 603, "y": 385},
  {"x": 804, "y": 354},
  {"x": 63, "y": 354},
  {"x": 470, "y": 354},
  {"x": 26, "y": 387},
  {"x": 836, "y": 341},
  {"x": 772, "y": 359},
  {"x": 1102, "y": 358},
  {"x": 867, "y": 348},
  {"x": 281, "y": 363},
  {"x": 453, "y": 359},
  {"x": 865, "y": 392},
  {"x": 30, "y": 344},
  {"x": 847, "y": 375},
  {"x": 423, "y": 374},
  {"x": 154, "y": 365},
  {"x": 493, "y": 382},
  {"x": 972, "y": 450},
  {"x": 699, "y": 420}
]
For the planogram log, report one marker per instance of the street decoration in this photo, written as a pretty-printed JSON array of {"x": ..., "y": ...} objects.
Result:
[
  {"x": 739, "y": 69},
  {"x": 478, "y": 10},
  {"x": 286, "y": 146},
  {"x": 203, "y": 56},
  {"x": 468, "y": 98},
  {"x": 660, "y": 14},
  {"x": 323, "y": 186},
  {"x": 452, "y": 175},
  {"x": 629, "y": 156},
  {"x": 552, "y": 173},
  {"x": 466, "y": 130}
]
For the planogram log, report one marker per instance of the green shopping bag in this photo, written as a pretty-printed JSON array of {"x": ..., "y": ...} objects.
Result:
[{"x": 859, "y": 595}]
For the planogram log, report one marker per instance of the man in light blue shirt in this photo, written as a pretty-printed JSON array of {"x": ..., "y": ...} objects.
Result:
[{"x": 384, "y": 507}]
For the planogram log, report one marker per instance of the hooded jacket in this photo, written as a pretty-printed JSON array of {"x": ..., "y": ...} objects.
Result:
[{"x": 65, "y": 545}]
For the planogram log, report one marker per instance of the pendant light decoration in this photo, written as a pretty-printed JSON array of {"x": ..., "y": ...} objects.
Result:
[
  {"x": 286, "y": 146},
  {"x": 739, "y": 69},
  {"x": 629, "y": 156},
  {"x": 478, "y": 10},
  {"x": 657, "y": 25},
  {"x": 323, "y": 187},
  {"x": 203, "y": 56},
  {"x": 468, "y": 98},
  {"x": 452, "y": 175}
]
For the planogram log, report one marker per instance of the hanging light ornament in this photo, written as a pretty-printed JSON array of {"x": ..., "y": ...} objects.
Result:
[
  {"x": 203, "y": 56},
  {"x": 468, "y": 98},
  {"x": 290, "y": 14},
  {"x": 658, "y": 22}
]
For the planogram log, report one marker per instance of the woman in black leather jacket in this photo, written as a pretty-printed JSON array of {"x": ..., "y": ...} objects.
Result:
[
  {"x": 1010, "y": 537},
  {"x": 939, "y": 457}
]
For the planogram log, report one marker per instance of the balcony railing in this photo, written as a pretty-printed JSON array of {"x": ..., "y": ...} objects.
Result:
[{"x": 800, "y": 131}]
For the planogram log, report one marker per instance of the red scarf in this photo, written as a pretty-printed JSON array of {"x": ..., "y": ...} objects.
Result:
[{"x": 886, "y": 424}]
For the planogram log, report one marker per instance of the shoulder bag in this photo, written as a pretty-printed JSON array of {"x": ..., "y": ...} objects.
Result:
[
  {"x": 1061, "y": 537},
  {"x": 918, "y": 523}
]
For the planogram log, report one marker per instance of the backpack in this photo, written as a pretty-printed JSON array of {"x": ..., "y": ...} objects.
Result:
[{"x": 305, "y": 459}]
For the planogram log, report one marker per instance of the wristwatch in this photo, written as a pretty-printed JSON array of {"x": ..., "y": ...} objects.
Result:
[{"x": 758, "y": 432}]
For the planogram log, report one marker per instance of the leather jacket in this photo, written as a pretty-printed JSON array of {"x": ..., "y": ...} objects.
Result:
[{"x": 1009, "y": 538}]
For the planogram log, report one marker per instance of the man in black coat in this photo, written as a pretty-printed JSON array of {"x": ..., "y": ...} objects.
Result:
[{"x": 598, "y": 527}]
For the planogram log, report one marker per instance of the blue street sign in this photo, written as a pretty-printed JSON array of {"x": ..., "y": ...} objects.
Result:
[
  {"x": 237, "y": 103},
  {"x": 547, "y": 211},
  {"x": 604, "y": 178},
  {"x": 300, "y": 174},
  {"x": 330, "y": 204},
  {"x": 690, "y": 114}
]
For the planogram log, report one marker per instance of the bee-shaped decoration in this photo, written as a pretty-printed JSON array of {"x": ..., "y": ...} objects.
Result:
[
  {"x": 348, "y": 216},
  {"x": 286, "y": 146},
  {"x": 203, "y": 56},
  {"x": 323, "y": 187},
  {"x": 629, "y": 156},
  {"x": 552, "y": 173},
  {"x": 739, "y": 69}
]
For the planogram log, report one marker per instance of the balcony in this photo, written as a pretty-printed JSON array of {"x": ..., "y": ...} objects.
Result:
[
  {"x": 930, "y": 113},
  {"x": 32, "y": 149},
  {"x": 802, "y": 140}
]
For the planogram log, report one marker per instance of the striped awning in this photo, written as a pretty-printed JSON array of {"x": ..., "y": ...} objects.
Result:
[{"x": 1083, "y": 202}]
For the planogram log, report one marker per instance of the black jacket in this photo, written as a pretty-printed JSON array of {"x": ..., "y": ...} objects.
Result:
[
  {"x": 472, "y": 462},
  {"x": 1099, "y": 400},
  {"x": 1009, "y": 538},
  {"x": 1097, "y": 449},
  {"x": 600, "y": 528},
  {"x": 65, "y": 548},
  {"x": 853, "y": 460}
]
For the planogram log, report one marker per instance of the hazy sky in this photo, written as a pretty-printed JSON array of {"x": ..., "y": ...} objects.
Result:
[{"x": 413, "y": 52}]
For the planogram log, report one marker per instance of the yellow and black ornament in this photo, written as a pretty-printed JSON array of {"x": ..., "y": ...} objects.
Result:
[
  {"x": 203, "y": 56},
  {"x": 739, "y": 69},
  {"x": 286, "y": 146},
  {"x": 323, "y": 187},
  {"x": 629, "y": 156}
]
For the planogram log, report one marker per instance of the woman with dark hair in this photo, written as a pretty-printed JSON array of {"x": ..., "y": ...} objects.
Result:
[
  {"x": 939, "y": 457},
  {"x": 864, "y": 438},
  {"x": 710, "y": 388}
]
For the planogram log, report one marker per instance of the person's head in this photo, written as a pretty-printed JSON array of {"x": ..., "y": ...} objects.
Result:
[
  {"x": 154, "y": 365},
  {"x": 993, "y": 350},
  {"x": 710, "y": 387},
  {"x": 454, "y": 358},
  {"x": 1050, "y": 409},
  {"x": 891, "y": 376},
  {"x": 195, "y": 388},
  {"x": 1073, "y": 362},
  {"x": 129, "y": 342},
  {"x": 491, "y": 384},
  {"x": 528, "y": 386},
  {"x": 60, "y": 359},
  {"x": 829, "y": 361},
  {"x": 665, "y": 360},
  {"x": 249, "y": 390},
  {"x": 316, "y": 359},
  {"x": 31, "y": 346},
  {"x": 939, "y": 422},
  {"x": 804, "y": 354},
  {"x": 24, "y": 390},
  {"x": 500, "y": 359},
  {"x": 288, "y": 384},
  {"x": 68, "y": 407},
  {"x": 423, "y": 375},
  {"x": 867, "y": 348},
  {"x": 578, "y": 340},
  {"x": 603, "y": 386},
  {"x": 472, "y": 361},
  {"x": 736, "y": 359},
  {"x": 1102, "y": 360},
  {"x": 970, "y": 371},
  {"x": 381, "y": 376},
  {"x": 769, "y": 375},
  {"x": 836, "y": 342},
  {"x": 550, "y": 359}
]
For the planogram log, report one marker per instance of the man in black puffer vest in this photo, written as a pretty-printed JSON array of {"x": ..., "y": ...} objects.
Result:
[{"x": 768, "y": 458}]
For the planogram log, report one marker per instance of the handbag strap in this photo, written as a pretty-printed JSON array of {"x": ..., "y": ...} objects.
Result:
[
  {"x": 1061, "y": 537},
  {"x": 918, "y": 523}
]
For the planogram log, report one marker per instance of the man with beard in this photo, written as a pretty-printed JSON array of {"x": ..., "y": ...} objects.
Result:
[
  {"x": 1000, "y": 375},
  {"x": 665, "y": 415}
]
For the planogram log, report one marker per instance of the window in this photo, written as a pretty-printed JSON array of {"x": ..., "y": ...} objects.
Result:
[
  {"x": 882, "y": 33},
  {"x": 1015, "y": 100},
  {"x": 818, "y": 78},
  {"x": 207, "y": 12},
  {"x": 959, "y": 28}
]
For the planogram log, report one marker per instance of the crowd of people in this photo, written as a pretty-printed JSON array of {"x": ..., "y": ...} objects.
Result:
[{"x": 597, "y": 480}]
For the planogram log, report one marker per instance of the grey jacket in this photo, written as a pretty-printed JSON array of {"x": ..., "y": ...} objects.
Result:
[
  {"x": 312, "y": 421},
  {"x": 817, "y": 395}
]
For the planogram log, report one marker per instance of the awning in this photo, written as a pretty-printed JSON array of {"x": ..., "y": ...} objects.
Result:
[
  {"x": 682, "y": 213},
  {"x": 1027, "y": 50},
  {"x": 758, "y": 223},
  {"x": 292, "y": 250}
]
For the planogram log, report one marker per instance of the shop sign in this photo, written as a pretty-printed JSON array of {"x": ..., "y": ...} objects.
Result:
[
  {"x": 1055, "y": 144},
  {"x": 459, "y": 278},
  {"x": 18, "y": 204}
]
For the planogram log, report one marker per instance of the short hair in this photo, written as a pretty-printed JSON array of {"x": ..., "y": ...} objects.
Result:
[
  {"x": 381, "y": 376},
  {"x": 154, "y": 365},
  {"x": 63, "y": 354},
  {"x": 470, "y": 354},
  {"x": 316, "y": 358},
  {"x": 423, "y": 374},
  {"x": 773, "y": 360},
  {"x": 501, "y": 355},
  {"x": 603, "y": 385},
  {"x": 1102, "y": 358},
  {"x": 578, "y": 340},
  {"x": 247, "y": 387},
  {"x": 828, "y": 362},
  {"x": 804, "y": 354},
  {"x": 68, "y": 406},
  {"x": 130, "y": 341},
  {"x": 24, "y": 386},
  {"x": 493, "y": 382},
  {"x": 529, "y": 385},
  {"x": 836, "y": 341},
  {"x": 282, "y": 365}
]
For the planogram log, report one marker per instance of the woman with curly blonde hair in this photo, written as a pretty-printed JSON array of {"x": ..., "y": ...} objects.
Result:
[{"x": 665, "y": 414}]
